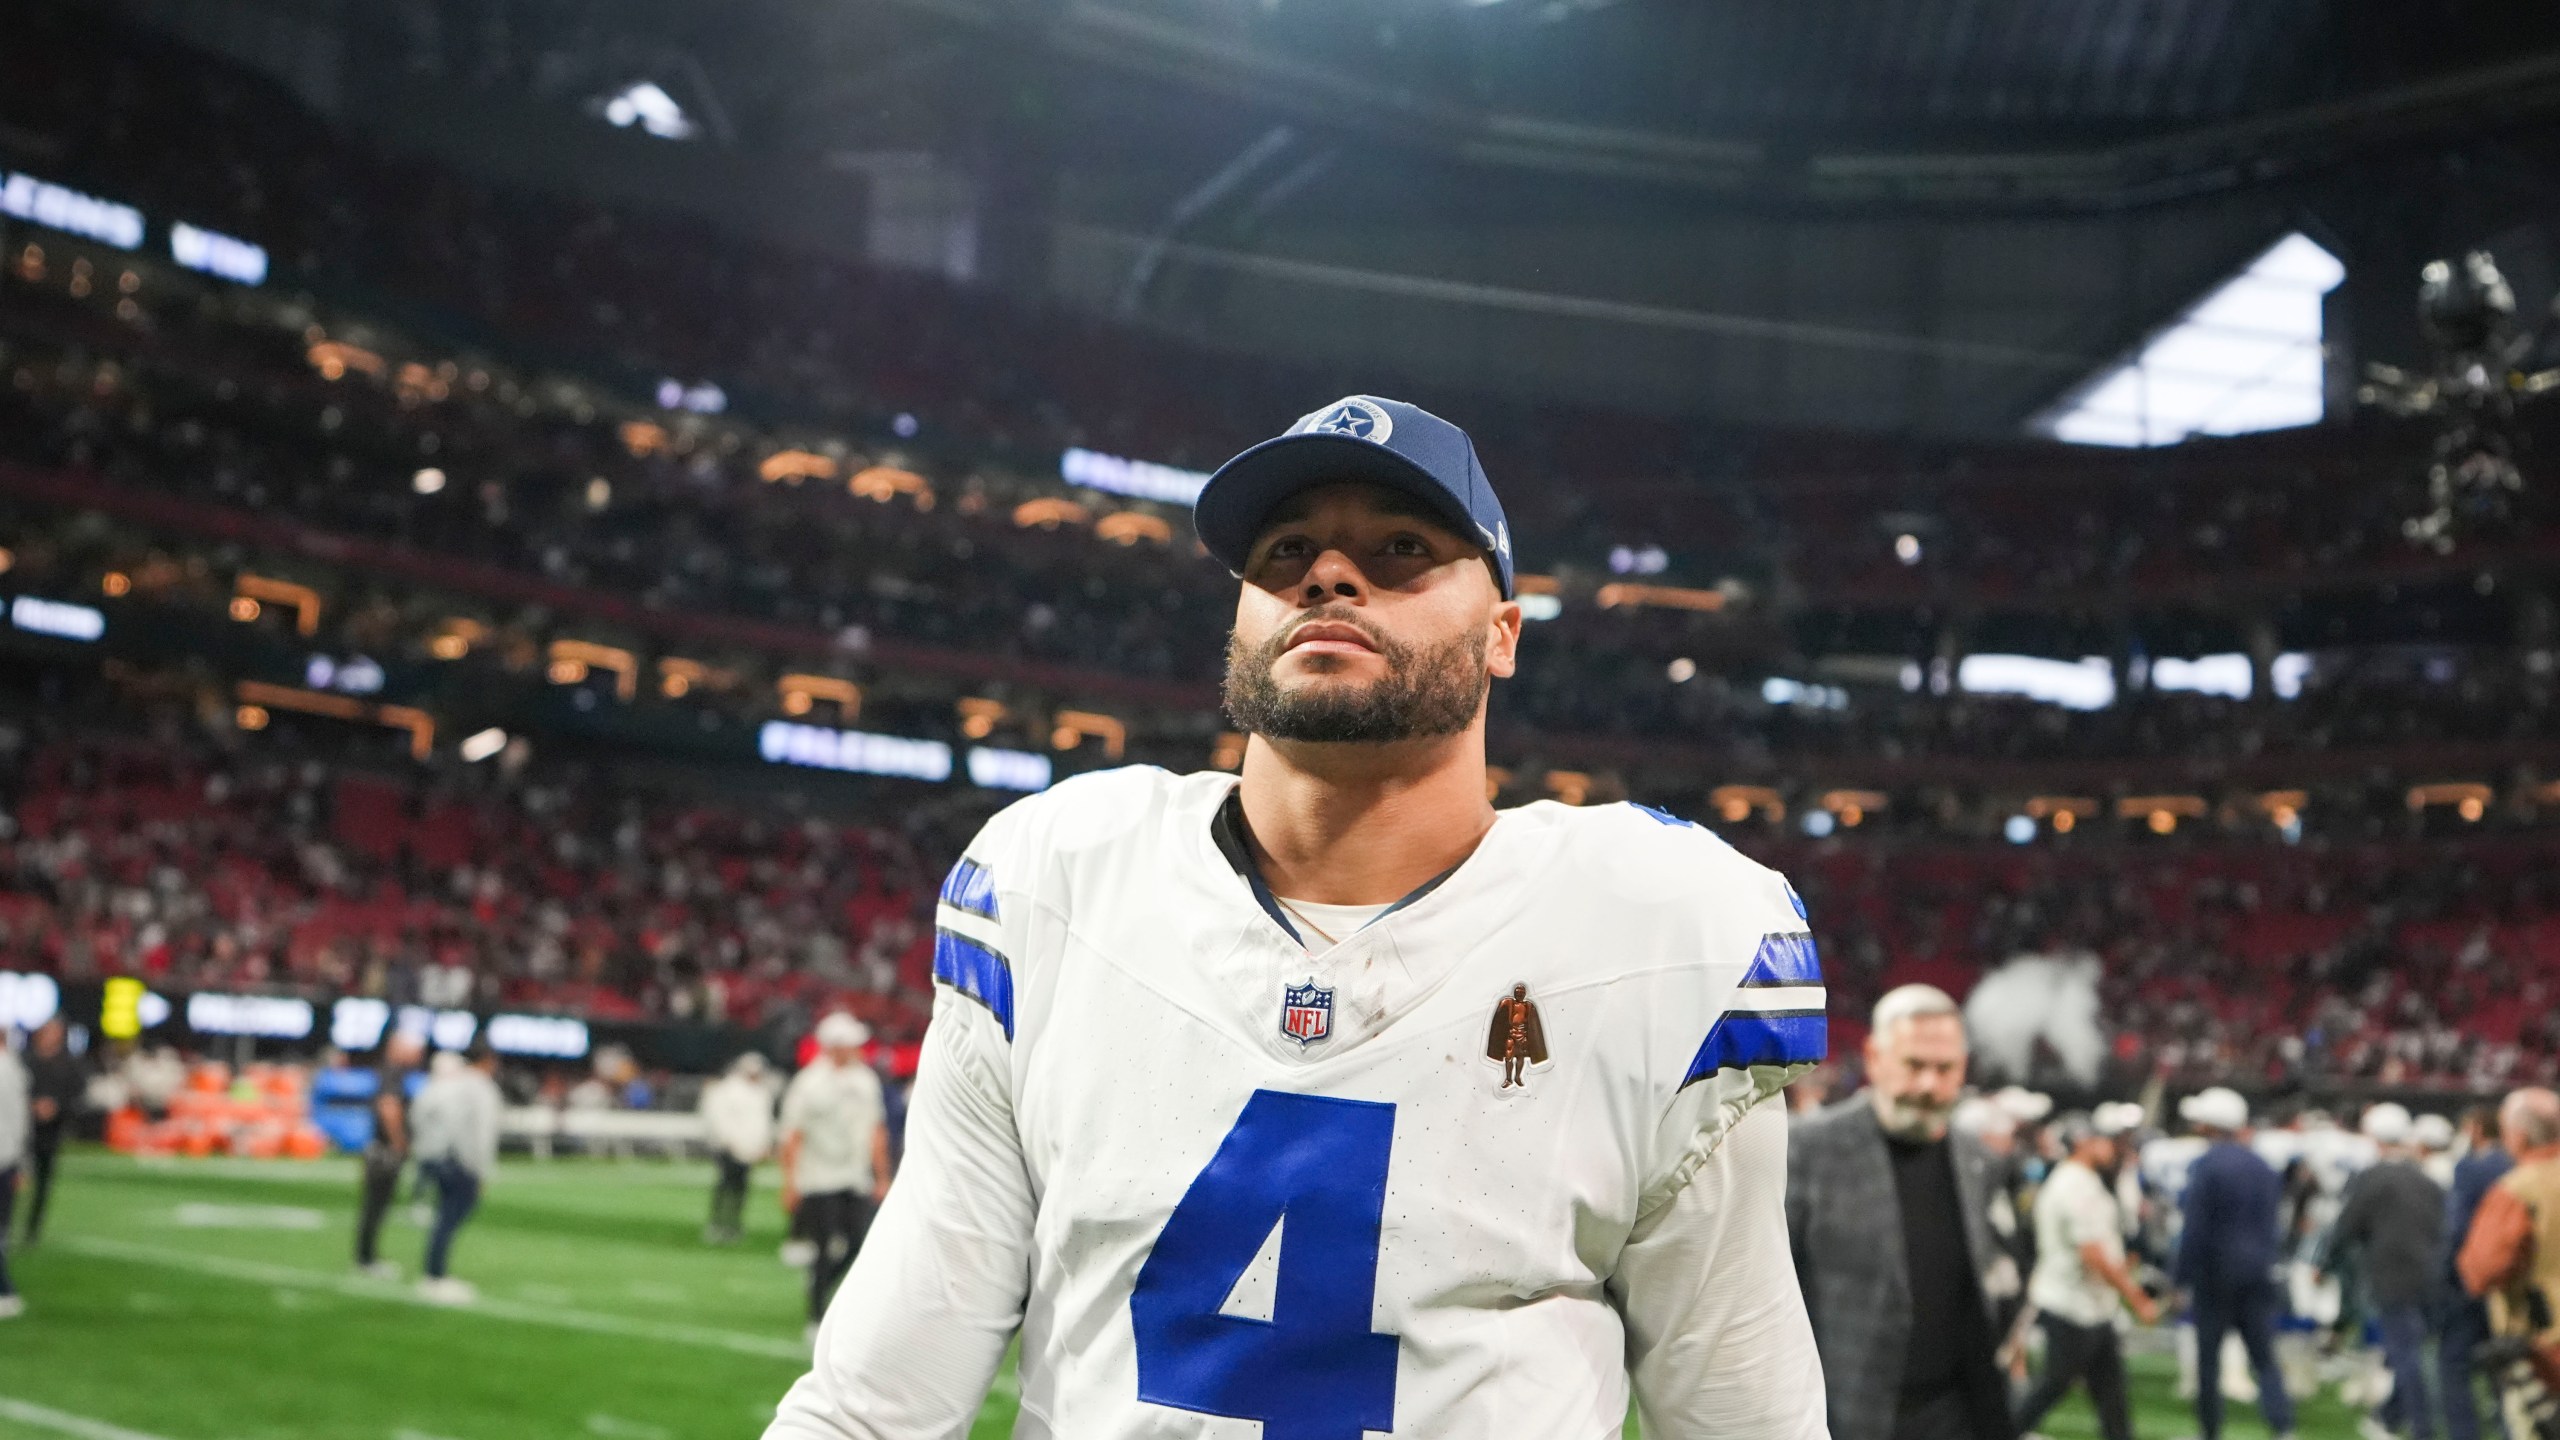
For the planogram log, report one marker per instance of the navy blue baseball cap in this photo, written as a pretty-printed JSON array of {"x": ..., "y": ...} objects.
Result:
[{"x": 1360, "y": 438}]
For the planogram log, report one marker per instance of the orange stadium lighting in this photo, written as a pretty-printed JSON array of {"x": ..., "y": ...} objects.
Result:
[
  {"x": 800, "y": 694},
  {"x": 1130, "y": 527},
  {"x": 304, "y": 600},
  {"x": 1664, "y": 597},
  {"x": 1071, "y": 728},
  {"x": 794, "y": 466},
  {"x": 979, "y": 717},
  {"x": 1049, "y": 514},
  {"x": 884, "y": 483},
  {"x": 1737, "y": 803},
  {"x": 572, "y": 659}
]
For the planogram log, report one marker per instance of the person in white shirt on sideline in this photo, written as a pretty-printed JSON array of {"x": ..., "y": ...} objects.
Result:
[
  {"x": 737, "y": 1118},
  {"x": 455, "y": 1130},
  {"x": 835, "y": 1154},
  {"x": 1325, "y": 1098},
  {"x": 2081, "y": 1283},
  {"x": 15, "y": 1123}
]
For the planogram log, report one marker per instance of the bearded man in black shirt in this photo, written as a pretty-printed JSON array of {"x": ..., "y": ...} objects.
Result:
[{"x": 1889, "y": 1215}]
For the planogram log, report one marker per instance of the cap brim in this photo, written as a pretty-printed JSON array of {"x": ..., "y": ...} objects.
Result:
[{"x": 1242, "y": 494}]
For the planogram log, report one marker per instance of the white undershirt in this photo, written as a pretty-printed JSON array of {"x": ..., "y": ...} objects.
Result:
[{"x": 1329, "y": 925}]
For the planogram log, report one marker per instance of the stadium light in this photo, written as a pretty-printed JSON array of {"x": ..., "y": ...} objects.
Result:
[
  {"x": 1139, "y": 479},
  {"x": 357, "y": 1022},
  {"x": 214, "y": 253},
  {"x": 1071, "y": 728},
  {"x": 781, "y": 742},
  {"x": 27, "y": 1001},
  {"x": 996, "y": 769},
  {"x": 483, "y": 745},
  {"x": 1737, "y": 803},
  {"x": 57, "y": 618},
  {"x": 2087, "y": 684},
  {"x": 801, "y": 693},
  {"x": 646, "y": 105},
  {"x": 2227, "y": 675},
  {"x": 59, "y": 207},
  {"x": 979, "y": 716}
]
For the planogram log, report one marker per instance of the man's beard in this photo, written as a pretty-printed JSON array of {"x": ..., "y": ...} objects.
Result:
[
  {"x": 1425, "y": 692},
  {"x": 1913, "y": 1117}
]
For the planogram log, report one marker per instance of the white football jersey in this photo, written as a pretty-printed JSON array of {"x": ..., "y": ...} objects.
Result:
[{"x": 1462, "y": 1173}]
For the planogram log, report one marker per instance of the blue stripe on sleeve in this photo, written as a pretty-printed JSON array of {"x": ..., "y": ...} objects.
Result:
[
  {"x": 971, "y": 887},
  {"x": 1741, "y": 1039},
  {"x": 1784, "y": 959},
  {"x": 975, "y": 971}
]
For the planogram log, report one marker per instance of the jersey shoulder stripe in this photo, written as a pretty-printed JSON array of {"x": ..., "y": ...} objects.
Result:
[
  {"x": 971, "y": 889},
  {"x": 1777, "y": 1015}
]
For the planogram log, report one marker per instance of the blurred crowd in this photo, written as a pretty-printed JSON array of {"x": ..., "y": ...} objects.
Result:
[
  {"x": 1971, "y": 1257},
  {"x": 195, "y": 866},
  {"x": 597, "y": 508},
  {"x": 976, "y": 392},
  {"x": 2403, "y": 964}
]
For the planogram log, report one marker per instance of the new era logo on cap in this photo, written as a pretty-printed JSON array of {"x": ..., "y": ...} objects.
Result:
[{"x": 1359, "y": 438}]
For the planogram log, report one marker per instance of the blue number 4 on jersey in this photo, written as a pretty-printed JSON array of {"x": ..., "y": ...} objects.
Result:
[{"x": 1317, "y": 1168}]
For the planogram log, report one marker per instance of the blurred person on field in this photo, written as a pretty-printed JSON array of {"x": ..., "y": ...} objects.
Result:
[
  {"x": 1994, "y": 1127},
  {"x": 156, "y": 1075},
  {"x": 2081, "y": 1283},
  {"x": 2434, "y": 1137},
  {"x": 2510, "y": 1256},
  {"x": 14, "y": 1124},
  {"x": 1891, "y": 1217},
  {"x": 57, "y": 1086},
  {"x": 2392, "y": 1220},
  {"x": 737, "y": 1118},
  {"x": 2227, "y": 1257},
  {"x": 835, "y": 1154},
  {"x": 386, "y": 1152},
  {"x": 2463, "y": 1325},
  {"x": 455, "y": 1125}
]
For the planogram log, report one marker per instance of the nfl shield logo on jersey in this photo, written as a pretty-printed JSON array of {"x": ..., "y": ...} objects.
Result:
[{"x": 1306, "y": 1012}]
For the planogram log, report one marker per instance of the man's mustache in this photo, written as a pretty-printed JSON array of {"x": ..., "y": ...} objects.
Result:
[{"x": 1329, "y": 616}]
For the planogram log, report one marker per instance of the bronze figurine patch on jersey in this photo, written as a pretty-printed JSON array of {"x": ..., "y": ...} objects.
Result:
[{"x": 1517, "y": 1039}]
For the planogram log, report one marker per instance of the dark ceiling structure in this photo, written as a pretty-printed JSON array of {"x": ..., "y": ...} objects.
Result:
[
  {"x": 1951, "y": 102},
  {"x": 1924, "y": 215}
]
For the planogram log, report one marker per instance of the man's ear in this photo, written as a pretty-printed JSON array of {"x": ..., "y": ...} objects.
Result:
[{"x": 1502, "y": 648}]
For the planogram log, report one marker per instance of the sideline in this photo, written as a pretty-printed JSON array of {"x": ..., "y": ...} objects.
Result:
[
  {"x": 62, "y": 1422},
  {"x": 558, "y": 1317}
]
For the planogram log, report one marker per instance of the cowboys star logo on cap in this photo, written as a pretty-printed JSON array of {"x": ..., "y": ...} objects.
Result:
[{"x": 1358, "y": 417}]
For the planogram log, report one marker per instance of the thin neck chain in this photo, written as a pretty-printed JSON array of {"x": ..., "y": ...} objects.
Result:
[{"x": 1310, "y": 924}]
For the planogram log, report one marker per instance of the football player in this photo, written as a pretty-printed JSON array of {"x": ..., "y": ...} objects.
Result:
[{"x": 1327, "y": 1099}]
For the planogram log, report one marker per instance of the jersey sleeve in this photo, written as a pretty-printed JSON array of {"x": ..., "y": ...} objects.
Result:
[
  {"x": 1718, "y": 1342},
  {"x": 1740, "y": 1019},
  {"x": 982, "y": 918},
  {"x": 914, "y": 1335},
  {"x": 913, "y": 1338}
]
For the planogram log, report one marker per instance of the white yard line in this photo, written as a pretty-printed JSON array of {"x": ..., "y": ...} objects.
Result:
[
  {"x": 63, "y": 1422},
  {"x": 558, "y": 1317}
]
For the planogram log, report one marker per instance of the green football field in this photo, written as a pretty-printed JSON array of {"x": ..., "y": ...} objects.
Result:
[{"x": 213, "y": 1300}]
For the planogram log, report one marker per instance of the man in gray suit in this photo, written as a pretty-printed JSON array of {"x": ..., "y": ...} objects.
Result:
[{"x": 1889, "y": 1214}]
